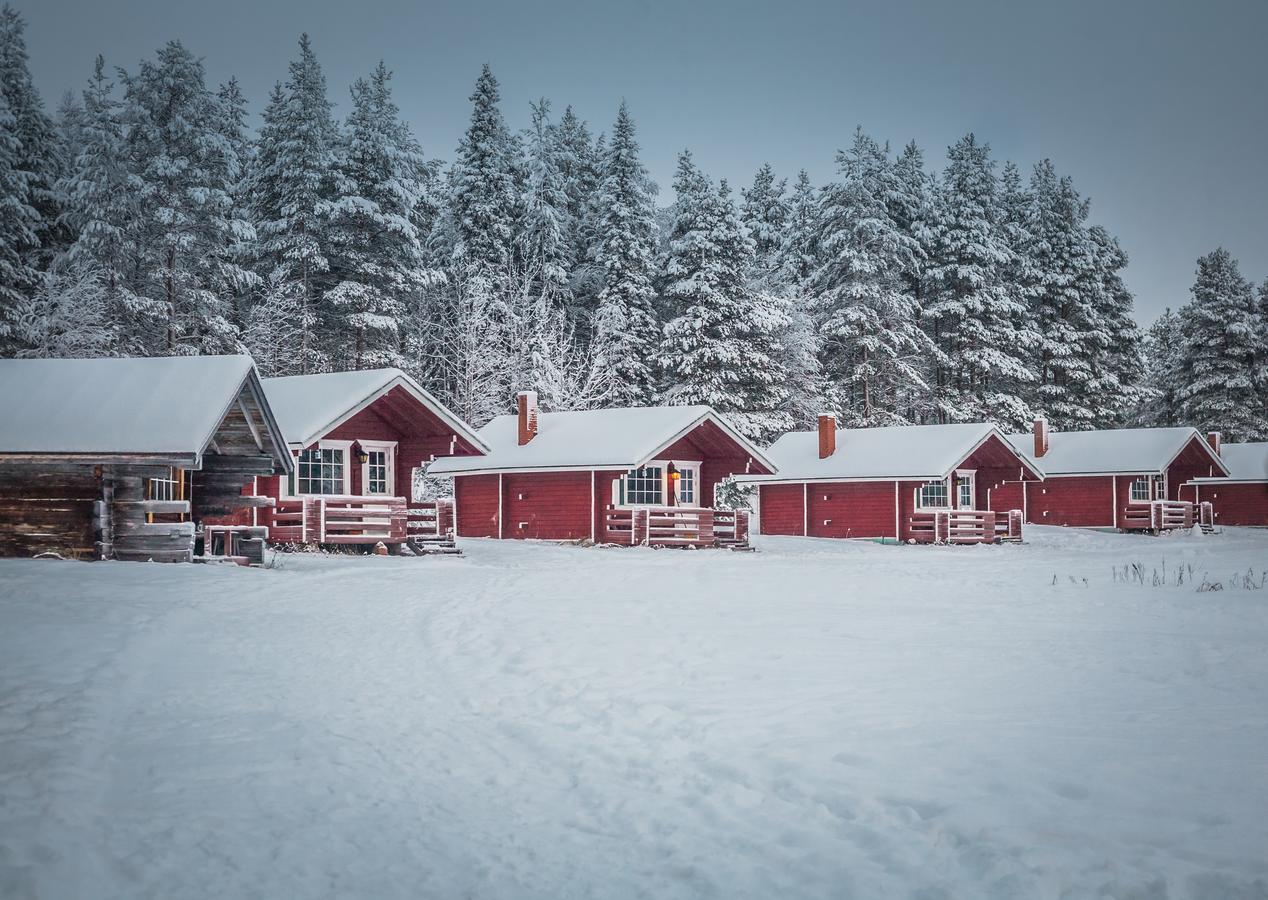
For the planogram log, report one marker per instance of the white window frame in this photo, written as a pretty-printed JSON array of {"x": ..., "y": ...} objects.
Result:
[
  {"x": 291, "y": 485},
  {"x": 920, "y": 494},
  {"x": 970, "y": 476},
  {"x": 1155, "y": 488},
  {"x": 389, "y": 448},
  {"x": 693, "y": 466}
]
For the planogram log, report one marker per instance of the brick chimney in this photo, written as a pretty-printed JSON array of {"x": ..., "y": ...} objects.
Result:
[
  {"x": 827, "y": 435},
  {"x": 526, "y": 401},
  {"x": 1041, "y": 437},
  {"x": 1216, "y": 440}
]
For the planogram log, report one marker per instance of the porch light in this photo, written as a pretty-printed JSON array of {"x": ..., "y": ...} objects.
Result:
[
  {"x": 672, "y": 471},
  {"x": 360, "y": 453}
]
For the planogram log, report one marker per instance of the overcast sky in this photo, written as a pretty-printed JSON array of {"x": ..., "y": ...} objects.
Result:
[{"x": 1156, "y": 108}]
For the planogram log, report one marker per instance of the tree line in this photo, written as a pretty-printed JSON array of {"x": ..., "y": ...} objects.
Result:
[{"x": 145, "y": 217}]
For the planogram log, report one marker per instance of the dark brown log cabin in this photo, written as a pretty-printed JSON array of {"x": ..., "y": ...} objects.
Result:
[{"x": 124, "y": 458}]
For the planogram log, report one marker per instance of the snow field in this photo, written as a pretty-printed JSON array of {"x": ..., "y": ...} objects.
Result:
[{"x": 821, "y": 719}]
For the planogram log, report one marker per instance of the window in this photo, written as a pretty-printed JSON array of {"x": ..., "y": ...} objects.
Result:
[
  {"x": 170, "y": 488},
  {"x": 376, "y": 477},
  {"x": 934, "y": 495},
  {"x": 1141, "y": 489},
  {"x": 964, "y": 492},
  {"x": 320, "y": 471},
  {"x": 643, "y": 487},
  {"x": 687, "y": 486}
]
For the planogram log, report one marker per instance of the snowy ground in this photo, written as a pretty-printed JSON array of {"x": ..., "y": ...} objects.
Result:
[{"x": 819, "y": 719}]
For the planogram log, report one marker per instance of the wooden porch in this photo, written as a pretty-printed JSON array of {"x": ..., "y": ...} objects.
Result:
[
  {"x": 348, "y": 520},
  {"x": 1157, "y": 516},
  {"x": 965, "y": 526},
  {"x": 676, "y": 526}
]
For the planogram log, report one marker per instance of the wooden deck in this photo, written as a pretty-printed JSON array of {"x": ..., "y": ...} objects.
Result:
[
  {"x": 1157, "y": 516},
  {"x": 364, "y": 520},
  {"x": 676, "y": 526},
  {"x": 965, "y": 526}
]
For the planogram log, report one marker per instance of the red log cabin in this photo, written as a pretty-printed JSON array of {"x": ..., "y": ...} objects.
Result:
[
  {"x": 1242, "y": 497},
  {"x": 1126, "y": 478},
  {"x": 955, "y": 483},
  {"x": 357, "y": 439},
  {"x": 628, "y": 476}
]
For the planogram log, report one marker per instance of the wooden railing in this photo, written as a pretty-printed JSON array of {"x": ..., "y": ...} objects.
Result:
[
  {"x": 964, "y": 526},
  {"x": 346, "y": 519},
  {"x": 1157, "y": 515},
  {"x": 675, "y": 526},
  {"x": 431, "y": 524},
  {"x": 339, "y": 519}
]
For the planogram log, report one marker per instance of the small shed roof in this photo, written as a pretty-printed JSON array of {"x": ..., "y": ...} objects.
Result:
[
  {"x": 310, "y": 406},
  {"x": 1245, "y": 462},
  {"x": 1110, "y": 451},
  {"x": 623, "y": 438},
  {"x": 899, "y": 452},
  {"x": 157, "y": 406}
]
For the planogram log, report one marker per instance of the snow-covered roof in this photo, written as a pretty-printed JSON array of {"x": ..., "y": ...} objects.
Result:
[
  {"x": 1245, "y": 462},
  {"x": 623, "y": 438},
  {"x": 310, "y": 406},
  {"x": 156, "y": 406},
  {"x": 1109, "y": 452},
  {"x": 907, "y": 452}
]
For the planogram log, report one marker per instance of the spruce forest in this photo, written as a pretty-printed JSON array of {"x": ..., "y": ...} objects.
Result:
[{"x": 145, "y": 216}]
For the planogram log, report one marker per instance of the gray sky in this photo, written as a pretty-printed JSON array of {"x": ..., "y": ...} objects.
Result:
[{"x": 1156, "y": 107}]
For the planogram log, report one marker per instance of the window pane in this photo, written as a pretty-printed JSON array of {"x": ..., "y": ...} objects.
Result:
[
  {"x": 376, "y": 472},
  {"x": 933, "y": 494},
  {"x": 319, "y": 472},
  {"x": 686, "y": 485},
  {"x": 643, "y": 487}
]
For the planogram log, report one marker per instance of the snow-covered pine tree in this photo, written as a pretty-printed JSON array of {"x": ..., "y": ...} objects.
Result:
[
  {"x": 625, "y": 331},
  {"x": 1117, "y": 363},
  {"x": 473, "y": 369},
  {"x": 792, "y": 282},
  {"x": 377, "y": 249},
  {"x": 102, "y": 210},
  {"x": 1261, "y": 369},
  {"x": 234, "y": 278},
  {"x": 1063, "y": 264},
  {"x": 872, "y": 342},
  {"x": 39, "y": 154},
  {"x": 1163, "y": 352},
  {"x": 69, "y": 316},
  {"x": 970, "y": 311},
  {"x": 798, "y": 252},
  {"x": 544, "y": 239},
  {"x": 1222, "y": 341},
  {"x": 765, "y": 215},
  {"x": 292, "y": 184},
  {"x": 483, "y": 196},
  {"x": 17, "y": 236},
  {"x": 185, "y": 205},
  {"x": 722, "y": 349},
  {"x": 580, "y": 163}
]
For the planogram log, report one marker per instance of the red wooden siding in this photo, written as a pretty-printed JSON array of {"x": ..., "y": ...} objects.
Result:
[
  {"x": 1193, "y": 462},
  {"x": 863, "y": 509},
  {"x": 476, "y": 499},
  {"x": 780, "y": 509},
  {"x": 1235, "y": 503},
  {"x": 553, "y": 506},
  {"x": 1082, "y": 500}
]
